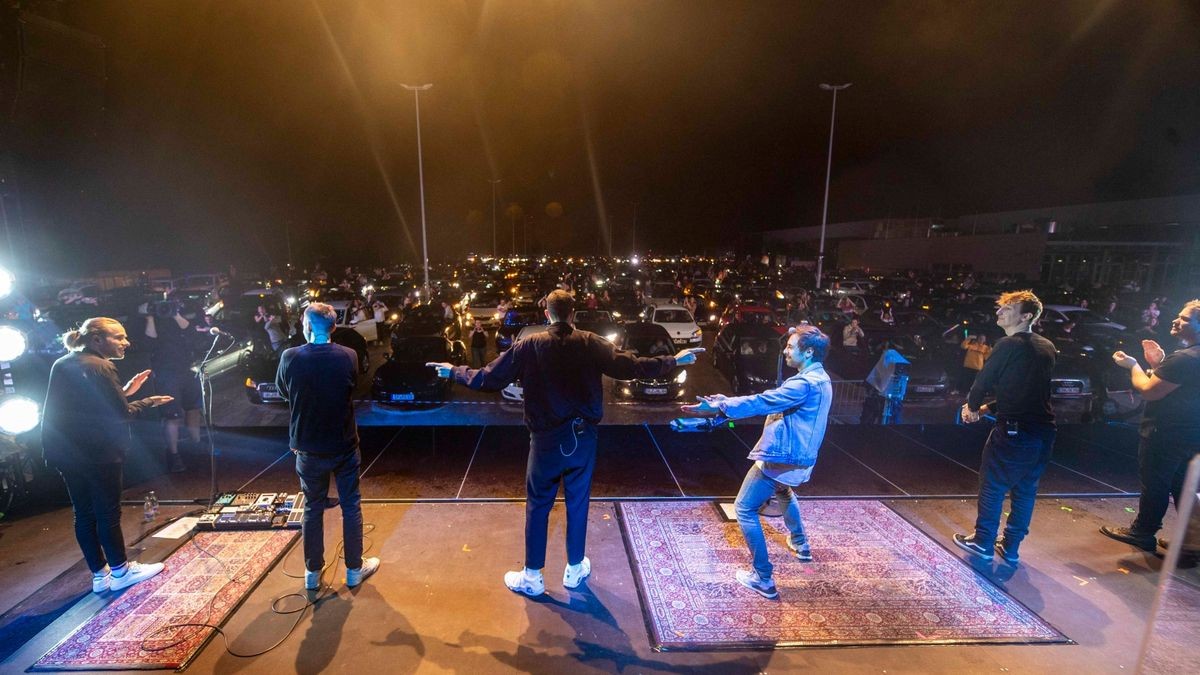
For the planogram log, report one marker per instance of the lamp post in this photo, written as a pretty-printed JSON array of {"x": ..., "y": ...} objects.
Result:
[
  {"x": 416, "y": 89},
  {"x": 835, "y": 88},
  {"x": 495, "y": 251}
]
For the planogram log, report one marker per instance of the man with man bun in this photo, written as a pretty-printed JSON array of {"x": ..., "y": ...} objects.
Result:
[{"x": 85, "y": 435}]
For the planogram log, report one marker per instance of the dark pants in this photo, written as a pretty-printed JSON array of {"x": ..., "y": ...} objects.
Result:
[
  {"x": 568, "y": 458},
  {"x": 1162, "y": 463},
  {"x": 95, "y": 492},
  {"x": 1012, "y": 466},
  {"x": 477, "y": 357},
  {"x": 966, "y": 378},
  {"x": 314, "y": 473}
]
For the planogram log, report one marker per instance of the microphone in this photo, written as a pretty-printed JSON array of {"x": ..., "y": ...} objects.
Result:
[{"x": 214, "y": 331}]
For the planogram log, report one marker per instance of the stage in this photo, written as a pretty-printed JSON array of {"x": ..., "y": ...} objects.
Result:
[{"x": 448, "y": 522}]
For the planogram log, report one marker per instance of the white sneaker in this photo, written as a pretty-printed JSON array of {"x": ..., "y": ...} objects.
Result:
[
  {"x": 101, "y": 580},
  {"x": 574, "y": 575},
  {"x": 355, "y": 577},
  {"x": 135, "y": 572},
  {"x": 312, "y": 580},
  {"x": 521, "y": 582}
]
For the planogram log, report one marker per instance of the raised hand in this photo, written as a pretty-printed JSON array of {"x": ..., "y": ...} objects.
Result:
[
  {"x": 443, "y": 369},
  {"x": 1153, "y": 353},
  {"x": 1124, "y": 360},
  {"x": 135, "y": 383},
  {"x": 687, "y": 357}
]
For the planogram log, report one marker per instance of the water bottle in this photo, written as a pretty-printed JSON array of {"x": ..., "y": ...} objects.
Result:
[
  {"x": 147, "y": 508},
  {"x": 154, "y": 504}
]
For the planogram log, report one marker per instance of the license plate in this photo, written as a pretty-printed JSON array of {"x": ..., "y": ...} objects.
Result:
[
  {"x": 656, "y": 390},
  {"x": 403, "y": 397},
  {"x": 1068, "y": 390},
  {"x": 924, "y": 389},
  {"x": 269, "y": 392}
]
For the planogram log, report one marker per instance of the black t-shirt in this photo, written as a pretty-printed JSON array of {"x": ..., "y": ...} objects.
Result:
[
  {"x": 1180, "y": 409},
  {"x": 1018, "y": 372},
  {"x": 478, "y": 339},
  {"x": 318, "y": 381}
]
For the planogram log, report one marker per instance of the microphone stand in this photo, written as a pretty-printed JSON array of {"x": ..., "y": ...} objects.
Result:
[{"x": 206, "y": 406}]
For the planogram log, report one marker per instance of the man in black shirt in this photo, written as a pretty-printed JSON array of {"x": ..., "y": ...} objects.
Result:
[
  {"x": 1170, "y": 429},
  {"x": 561, "y": 371},
  {"x": 318, "y": 380},
  {"x": 1018, "y": 448}
]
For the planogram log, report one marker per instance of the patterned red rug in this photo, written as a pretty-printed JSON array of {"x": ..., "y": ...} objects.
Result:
[
  {"x": 196, "y": 586},
  {"x": 882, "y": 582}
]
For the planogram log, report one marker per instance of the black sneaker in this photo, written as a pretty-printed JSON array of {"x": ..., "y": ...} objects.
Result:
[
  {"x": 1146, "y": 542},
  {"x": 972, "y": 546},
  {"x": 1008, "y": 554}
]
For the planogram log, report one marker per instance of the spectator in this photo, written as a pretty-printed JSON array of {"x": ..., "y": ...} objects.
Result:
[
  {"x": 976, "y": 353},
  {"x": 478, "y": 345},
  {"x": 850, "y": 335},
  {"x": 171, "y": 360}
]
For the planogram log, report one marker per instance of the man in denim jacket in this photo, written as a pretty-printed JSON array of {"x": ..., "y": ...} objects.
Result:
[{"x": 797, "y": 412}]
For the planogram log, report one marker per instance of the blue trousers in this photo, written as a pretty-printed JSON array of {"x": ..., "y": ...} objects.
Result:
[
  {"x": 95, "y": 492},
  {"x": 757, "y": 488},
  {"x": 314, "y": 472},
  {"x": 1011, "y": 467},
  {"x": 560, "y": 457}
]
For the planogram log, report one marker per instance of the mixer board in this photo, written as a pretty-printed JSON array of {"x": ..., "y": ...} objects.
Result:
[{"x": 253, "y": 511}]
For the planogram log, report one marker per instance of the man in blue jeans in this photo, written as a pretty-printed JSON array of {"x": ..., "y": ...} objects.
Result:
[
  {"x": 797, "y": 412},
  {"x": 318, "y": 380},
  {"x": 1018, "y": 449}
]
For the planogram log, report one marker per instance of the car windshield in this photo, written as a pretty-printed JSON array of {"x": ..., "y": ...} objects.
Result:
[
  {"x": 649, "y": 345},
  {"x": 419, "y": 349},
  {"x": 672, "y": 316},
  {"x": 521, "y": 317},
  {"x": 424, "y": 313},
  {"x": 750, "y": 347},
  {"x": 1084, "y": 316}
]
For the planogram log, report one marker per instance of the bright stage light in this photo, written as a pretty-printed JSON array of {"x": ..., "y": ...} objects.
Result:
[
  {"x": 12, "y": 343},
  {"x": 18, "y": 415},
  {"x": 6, "y": 282}
]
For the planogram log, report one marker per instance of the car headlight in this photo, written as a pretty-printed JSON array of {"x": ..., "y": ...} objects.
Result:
[
  {"x": 712, "y": 317},
  {"x": 616, "y": 314},
  {"x": 612, "y": 337},
  {"x": 12, "y": 343},
  {"x": 681, "y": 377},
  {"x": 696, "y": 332},
  {"x": 18, "y": 415},
  {"x": 291, "y": 300}
]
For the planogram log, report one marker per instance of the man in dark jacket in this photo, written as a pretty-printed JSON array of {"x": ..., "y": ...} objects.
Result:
[
  {"x": 318, "y": 380},
  {"x": 561, "y": 371},
  {"x": 85, "y": 435},
  {"x": 1018, "y": 449}
]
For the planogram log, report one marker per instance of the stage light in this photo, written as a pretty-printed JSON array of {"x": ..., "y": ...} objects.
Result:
[
  {"x": 18, "y": 415},
  {"x": 12, "y": 343},
  {"x": 6, "y": 282}
]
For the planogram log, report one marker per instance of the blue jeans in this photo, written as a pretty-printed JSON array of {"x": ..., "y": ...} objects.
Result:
[
  {"x": 1012, "y": 466},
  {"x": 757, "y": 488},
  {"x": 555, "y": 458},
  {"x": 314, "y": 473},
  {"x": 95, "y": 492}
]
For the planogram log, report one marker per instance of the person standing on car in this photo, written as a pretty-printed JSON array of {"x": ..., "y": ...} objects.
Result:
[
  {"x": 797, "y": 413},
  {"x": 318, "y": 380},
  {"x": 562, "y": 372},
  {"x": 1170, "y": 428},
  {"x": 478, "y": 344},
  {"x": 1018, "y": 448},
  {"x": 85, "y": 435}
]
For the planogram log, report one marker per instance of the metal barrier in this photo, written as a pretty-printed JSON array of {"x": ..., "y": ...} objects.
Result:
[{"x": 848, "y": 397}]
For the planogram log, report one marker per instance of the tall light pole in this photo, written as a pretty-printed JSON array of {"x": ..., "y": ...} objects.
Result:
[
  {"x": 495, "y": 251},
  {"x": 835, "y": 88},
  {"x": 416, "y": 89}
]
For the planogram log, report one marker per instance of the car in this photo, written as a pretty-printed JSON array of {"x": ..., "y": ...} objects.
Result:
[
  {"x": 1080, "y": 316},
  {"x": 236, "y": 315},
  {"x": 650, "y": 339},
  {"x": 626, "y": 307},
  {"x": 745, "y": 313},
  {"x": 749, "y": 356},
  {"x": 341, "y": 300},
  {"x": 679, "y": 323},
  {"x": 404, "y": 377},
  {"x": 482, "y": 305},
  {"x": 259, "y": 364},
  {"x": 600, "y": 322},
  {"x": 514, "y": 320}
]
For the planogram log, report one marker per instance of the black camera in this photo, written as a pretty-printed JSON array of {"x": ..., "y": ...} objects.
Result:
[{"x": 163, "y": 309}]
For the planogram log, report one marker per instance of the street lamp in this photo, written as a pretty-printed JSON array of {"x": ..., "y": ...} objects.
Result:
[
  {"x": 835, "y": 88},
  {"x": 495, "y": 251},
  {"x": 416, "y": 89}
]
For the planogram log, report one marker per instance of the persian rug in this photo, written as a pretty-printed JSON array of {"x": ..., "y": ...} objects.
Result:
[
  {"x": 204, "y": 581},
  {"x": 875, "y": 579}
]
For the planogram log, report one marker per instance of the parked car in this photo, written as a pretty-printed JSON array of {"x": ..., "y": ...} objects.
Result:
[
  {"x": 679, "y": 324},
  {"x": 482, "y": 305},
  {"x": 748, "y": 355},
  {"x": 514, "y": 391},
  {"x": 1080, "y": 316},
  {"x": 650, "y": 339},
  {"x": 627, "y": 308},
  {"x": 745, "y": 313},
  {"x": 259, "y": 364},
  {"x": 600, "y": 322},
  {"x": 404, "y": 377},
  {"x": 516, "y": 319}
]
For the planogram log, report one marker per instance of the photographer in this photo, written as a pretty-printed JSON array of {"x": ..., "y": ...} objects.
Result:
[
  {"x": 272, "y": 326},
  {"x": 171, "y": 360}
]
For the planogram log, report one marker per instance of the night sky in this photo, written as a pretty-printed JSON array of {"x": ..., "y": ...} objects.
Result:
[{"x": 225, "y": 125}]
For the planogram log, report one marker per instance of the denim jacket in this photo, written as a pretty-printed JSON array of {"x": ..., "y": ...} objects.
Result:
[{"x": 797, "y": 412}]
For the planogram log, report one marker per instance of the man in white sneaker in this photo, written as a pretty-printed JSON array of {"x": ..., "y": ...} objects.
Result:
[
  {"x": 797, "y": 413},
  {"x": 85, "y": 434},
  {"x": 318, "y": 380},
  {"x": 561, "y": 371}
]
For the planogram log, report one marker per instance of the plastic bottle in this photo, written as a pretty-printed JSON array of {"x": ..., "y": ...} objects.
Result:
[
  {"x": 148, "y": 508},
  {"x": 154, "y": 503}
]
